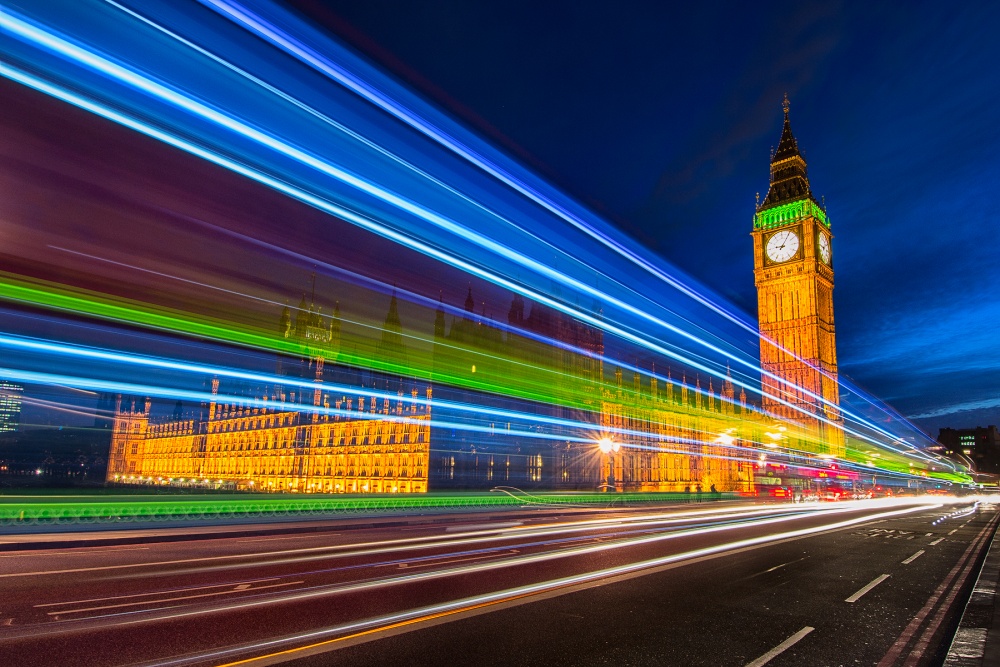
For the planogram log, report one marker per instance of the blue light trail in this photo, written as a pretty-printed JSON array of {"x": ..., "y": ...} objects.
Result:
[{"x": 387, "y": 182}]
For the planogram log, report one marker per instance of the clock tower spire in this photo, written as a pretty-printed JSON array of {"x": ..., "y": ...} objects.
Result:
[{"x": 793, "y": 271}]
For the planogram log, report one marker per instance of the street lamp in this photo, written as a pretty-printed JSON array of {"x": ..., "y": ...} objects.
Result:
[{"x": 609, "y": 447}]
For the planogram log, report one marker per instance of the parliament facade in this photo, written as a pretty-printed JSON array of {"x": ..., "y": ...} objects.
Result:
[
  {"x": 295, "y": 438},
  {"x": 498, "y": 388},
  {"x": 314, "y": 436}
]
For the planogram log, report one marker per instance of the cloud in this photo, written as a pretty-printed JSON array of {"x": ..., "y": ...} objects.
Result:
[{"x": 959, "y": 408}]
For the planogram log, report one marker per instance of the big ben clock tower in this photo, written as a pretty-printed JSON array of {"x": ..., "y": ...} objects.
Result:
[{"x": 793, "y": 271}]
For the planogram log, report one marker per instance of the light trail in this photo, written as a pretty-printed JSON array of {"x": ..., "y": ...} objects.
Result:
[
  {"x": 595, "y": 428},
  {"x": 584, "y": 424},
  {"x": 270, "y": 404},
  {"x": 31, "y": 33},
  {"x": 437, "y": 182},
  {"x": 634, "y": 568},
  {"x": 465, "y": 540},
  {"x": 303, "y": 554},
  {"x": 341, "y": 74},
  {"x": 58, "y": 407},
  {"x": 283, "y": 40}
]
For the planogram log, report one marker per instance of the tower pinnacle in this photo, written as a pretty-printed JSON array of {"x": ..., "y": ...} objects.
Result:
[
  {"x": 470, "y": 304},
  {"x": 789, "y": 181}
]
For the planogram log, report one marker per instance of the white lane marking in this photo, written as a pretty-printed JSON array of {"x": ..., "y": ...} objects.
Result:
[
  {"x": 167, "y": 592},
  {"x": 914, "y": 557},
  {"x": 953, "y": 532},
  {"x": 408, "y": 566},
  {"x": 784, "y": 564},
  {"x": 937, "y": 541},
  {"x": 780, "y": 648},
  {"x": 928, "y": 534},
  {"x": 238, "y": 589},
  {"x": 875, "y": 582}
]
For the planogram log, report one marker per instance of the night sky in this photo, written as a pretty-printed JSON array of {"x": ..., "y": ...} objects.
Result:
[{"x": 662, "y": 120}]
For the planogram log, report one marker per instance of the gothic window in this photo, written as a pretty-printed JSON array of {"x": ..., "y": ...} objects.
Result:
[{"x": 535, "y": 468}]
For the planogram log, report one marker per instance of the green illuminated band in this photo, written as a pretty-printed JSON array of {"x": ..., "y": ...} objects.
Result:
[
  {"x": 787, "y": 214},
  {"x": 505, "y": 375}
]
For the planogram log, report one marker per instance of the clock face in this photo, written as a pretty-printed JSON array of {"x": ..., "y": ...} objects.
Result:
[
  {"x": 824, "y": 248},
  {"x": 782, "y": 246}
]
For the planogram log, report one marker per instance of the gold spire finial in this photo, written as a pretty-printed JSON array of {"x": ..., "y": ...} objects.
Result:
[{"x": 785, "y": 104}]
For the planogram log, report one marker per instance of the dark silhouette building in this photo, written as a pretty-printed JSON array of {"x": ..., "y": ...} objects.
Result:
[{"x": 981, "y": 445}]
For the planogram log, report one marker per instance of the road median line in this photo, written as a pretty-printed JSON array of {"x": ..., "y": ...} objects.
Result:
[
  {"x": 780, "y": 648},
  {"x": 872, "y": 584}
]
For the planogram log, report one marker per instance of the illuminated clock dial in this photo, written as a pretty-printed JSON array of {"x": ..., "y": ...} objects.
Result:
[
  {"x": 824, "y": 248},
  {"x": 782, "y": 246}
]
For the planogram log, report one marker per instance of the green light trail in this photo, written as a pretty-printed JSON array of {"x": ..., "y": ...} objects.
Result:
[{"x": 525, "y": 376}]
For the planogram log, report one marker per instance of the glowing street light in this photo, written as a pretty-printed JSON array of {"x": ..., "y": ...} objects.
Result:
[{"x": 608, "y": 447}]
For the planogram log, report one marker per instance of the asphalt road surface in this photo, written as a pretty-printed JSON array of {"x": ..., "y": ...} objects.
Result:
[{"x": 866, "y": 583}]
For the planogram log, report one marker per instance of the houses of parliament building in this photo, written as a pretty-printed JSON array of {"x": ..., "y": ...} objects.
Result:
[
  {"x": 339, "y": 429},
  {"x": 317, "y": 438}
]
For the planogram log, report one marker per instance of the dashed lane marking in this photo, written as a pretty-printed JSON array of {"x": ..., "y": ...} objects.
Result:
[
  {"x": 914, "y": 557},
  {"x": 875, "y": 582},
  {"x": 780, "y": 648}
]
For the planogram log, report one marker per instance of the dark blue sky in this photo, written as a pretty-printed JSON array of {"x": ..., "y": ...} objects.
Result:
[{"x": 662, "y": 118}]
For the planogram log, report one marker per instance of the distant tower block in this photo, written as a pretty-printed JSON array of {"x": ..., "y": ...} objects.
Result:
[
  {"x": 10, "y": 406},
  {"x": 793, "y": 271}
]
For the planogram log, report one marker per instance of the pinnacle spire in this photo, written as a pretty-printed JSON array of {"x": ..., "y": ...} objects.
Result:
[
  {"x": 789, "y": 181},
  {"x": 392, "y": 317},
  {"x": 470, "y": 304},
  {"x": 788, "y": 147}
]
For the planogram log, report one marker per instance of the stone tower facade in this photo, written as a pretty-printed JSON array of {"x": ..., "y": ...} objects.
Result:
[{"x": 793, "y": 271}]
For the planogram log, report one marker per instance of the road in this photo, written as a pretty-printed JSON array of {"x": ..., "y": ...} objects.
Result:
[{"x": 872, "y": 582}]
